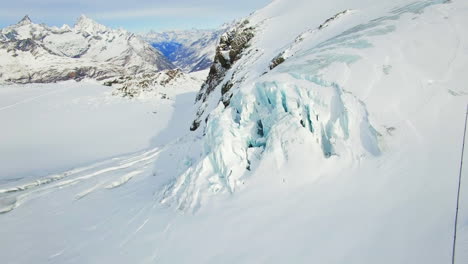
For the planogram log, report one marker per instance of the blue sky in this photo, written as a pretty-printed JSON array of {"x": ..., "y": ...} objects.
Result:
[{"x": 133, "y": 15}]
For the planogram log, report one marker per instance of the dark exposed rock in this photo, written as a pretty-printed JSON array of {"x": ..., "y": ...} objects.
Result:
[
  {"x": 276, "y": 61},
  {"x": 230, "y": 49},
  {"x": 172, "y": 74},
  {"x": 226, "y": 87},
  {"x": 11, "y": 35},
  {"x": 132, "y": 86},
  {"x": 195, "y": 125},
  {"x": 260, "y": 129},
  {"x": 25, "y": 45},
  {"x": 327, "y": 22}
]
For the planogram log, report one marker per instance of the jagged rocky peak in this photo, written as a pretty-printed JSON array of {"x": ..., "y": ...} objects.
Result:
[
  {"x": 87, "y": 24},
  {"x": 25, "y": 20}
]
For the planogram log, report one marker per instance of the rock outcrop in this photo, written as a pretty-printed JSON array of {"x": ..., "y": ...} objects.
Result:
[{"x": 230, "y": 49}]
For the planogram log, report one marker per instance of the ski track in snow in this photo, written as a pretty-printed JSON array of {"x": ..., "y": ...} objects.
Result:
[
  {"x": 87, "y": 191},
  {"x": 56, "y": 254},
  {"x": 13, "y": 197},
  {"x": 34, "y": 98},
  {"x": 125, "y": 241},
  {"x": 123, "y": 180}
]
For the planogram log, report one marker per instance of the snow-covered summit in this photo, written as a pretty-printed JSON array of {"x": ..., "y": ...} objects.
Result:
[
  {"x": 32, "y": 52},
  {"x": 85, "y": 24}
]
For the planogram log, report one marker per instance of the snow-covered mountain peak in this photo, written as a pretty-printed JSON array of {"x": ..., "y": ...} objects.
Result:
[
  {"x": 32, "y": 52},
  {"x": 24, "y": 29},
  {"x": 86, "y": 24},
  {"x": 65, "y": 27}
]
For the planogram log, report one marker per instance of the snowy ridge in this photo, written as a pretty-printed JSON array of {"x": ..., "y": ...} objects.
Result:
[{"x": 37, "y": 53}]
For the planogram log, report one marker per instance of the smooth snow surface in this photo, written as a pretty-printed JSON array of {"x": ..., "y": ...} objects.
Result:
[
  {"x": 52, "y": 127},
  {"x": 49, "y": 128},
  {"x": 346, "y": 153}
]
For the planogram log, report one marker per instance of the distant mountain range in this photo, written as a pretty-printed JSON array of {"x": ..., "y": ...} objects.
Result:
[
  {"x": 37, "y": 53},
  {"x": 189, "y": 50}
]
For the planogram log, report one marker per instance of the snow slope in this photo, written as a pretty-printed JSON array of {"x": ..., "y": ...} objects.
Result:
[
  {"x": 347, "y": 151},
  {"x": 33, "y": 53},
  {"x": 50, "y": 128}
]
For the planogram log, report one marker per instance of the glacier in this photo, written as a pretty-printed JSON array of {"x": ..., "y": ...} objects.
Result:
[{"x": 345, "y": 150}]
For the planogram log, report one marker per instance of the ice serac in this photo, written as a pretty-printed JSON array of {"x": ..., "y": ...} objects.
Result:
[
  {"x": 275, "y": 90},
  {"x": 36, "y": 53}
]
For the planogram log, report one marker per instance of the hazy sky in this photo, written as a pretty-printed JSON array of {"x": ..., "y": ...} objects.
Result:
[{"x": 133, "y": 15}]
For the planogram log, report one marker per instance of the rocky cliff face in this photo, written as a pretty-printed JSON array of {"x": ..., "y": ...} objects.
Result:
[
  {"x": 230, "y": 49},
  {"x": 36, "y": 53}
]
